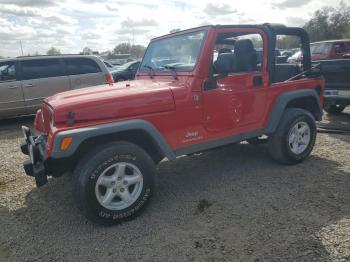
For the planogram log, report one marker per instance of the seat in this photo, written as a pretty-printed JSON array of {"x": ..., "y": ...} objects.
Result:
[
  {"x": 285, "y": 71},
  {"x": 224, "y": 64},
  {"x": 224, "y": 50},
  {"x": 245, "y": 56}
]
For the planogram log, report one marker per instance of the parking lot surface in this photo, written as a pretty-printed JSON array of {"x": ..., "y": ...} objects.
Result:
[{"x": 228, "y": 204}]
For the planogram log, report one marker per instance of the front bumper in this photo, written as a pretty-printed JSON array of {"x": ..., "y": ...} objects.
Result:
[{"x": 34, "y": 147}]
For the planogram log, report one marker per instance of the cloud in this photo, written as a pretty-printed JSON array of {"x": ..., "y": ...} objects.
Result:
[
  {"x": 218, "y": 10},
  {"x": 136, "y": 3},
  {"x": 17, "y": 11},
  {"x": 103, "y": 24},
  {"x": 291, "y": 3},
  {"x": 182, "y": 4},
  {"x": 131, "y": 31},
  {"x": 39, "y": 3},
  {"x": 141, "y": 23},
  {"x": 111, "y": 8},
  {"x": 295, "y": 21}
]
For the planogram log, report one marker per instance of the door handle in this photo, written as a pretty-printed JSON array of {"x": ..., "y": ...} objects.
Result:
[
  {"x": 12, "y": 87},
  {"x": 28, "y": 85}
]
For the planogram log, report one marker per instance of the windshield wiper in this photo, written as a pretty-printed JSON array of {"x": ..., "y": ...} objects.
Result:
[
  {"x": 172, "y": 68},
  {"x": 151, "y": 70}
]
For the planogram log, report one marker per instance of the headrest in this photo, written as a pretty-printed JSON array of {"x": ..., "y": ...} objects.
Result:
[{"x": 244, "y": 45}]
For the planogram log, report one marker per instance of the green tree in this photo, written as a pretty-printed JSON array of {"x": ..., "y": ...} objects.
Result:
[
  {"x": 135, "y": 51},
  {"x": 123, "y": 48},
  {"x": 53, "y": 51},
  {"x": 329, "y": 23},
  {"x": 87, "y": 51},
  {"x": 288, "y": 42},
  {"x": 346, "y": 33}
]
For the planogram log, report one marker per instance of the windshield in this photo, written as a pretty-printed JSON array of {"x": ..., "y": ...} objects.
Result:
[{"x": 180, "y": 52}]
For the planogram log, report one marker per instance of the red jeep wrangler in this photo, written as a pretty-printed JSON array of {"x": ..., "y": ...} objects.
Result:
[{"x": 195, "y": 90}]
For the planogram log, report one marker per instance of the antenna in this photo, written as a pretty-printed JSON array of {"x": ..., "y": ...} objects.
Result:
[{"x": 20, "y": 42}]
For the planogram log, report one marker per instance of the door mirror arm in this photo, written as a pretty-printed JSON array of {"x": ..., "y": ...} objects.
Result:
[{"x": 211, "y": 83}]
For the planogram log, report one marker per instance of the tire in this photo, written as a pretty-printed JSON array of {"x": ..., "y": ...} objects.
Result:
[
  {"x": 102, "y": 196},
  {"x": 334, "y": 109},
  {"x": 284, "y": 146}
]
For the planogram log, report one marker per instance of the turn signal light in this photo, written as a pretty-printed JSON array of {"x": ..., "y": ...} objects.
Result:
[{"x": 66, "y": 142}]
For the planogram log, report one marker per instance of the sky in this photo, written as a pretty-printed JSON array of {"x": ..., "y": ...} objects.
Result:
[{"x": 71, "y": 25}]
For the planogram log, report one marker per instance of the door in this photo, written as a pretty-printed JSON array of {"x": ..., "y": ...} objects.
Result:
[
  {"x": 11, "y": 95},
  {"x": 42, "y": 78},
  {"x": 238, "y": 99},
  {"x": 84, "y": 72}
]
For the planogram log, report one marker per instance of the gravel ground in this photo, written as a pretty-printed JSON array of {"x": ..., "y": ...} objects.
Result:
[{"x": 228, "y": 204}]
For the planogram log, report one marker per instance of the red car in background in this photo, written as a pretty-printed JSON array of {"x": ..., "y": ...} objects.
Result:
[{"x": 328, "y": 50}]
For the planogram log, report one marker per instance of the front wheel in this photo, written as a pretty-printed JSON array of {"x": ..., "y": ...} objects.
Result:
[
  {"x": 114, "y": 182},
  {"x": 294, "y": 137}
]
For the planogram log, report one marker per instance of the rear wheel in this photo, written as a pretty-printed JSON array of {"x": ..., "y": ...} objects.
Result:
[
  {"x": 334, "y": 109},
  {"x": 294, "y": 137},
  {"x": 114, "y": 182}
]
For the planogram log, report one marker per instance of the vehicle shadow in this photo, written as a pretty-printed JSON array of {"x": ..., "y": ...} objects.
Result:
[
  {"x": 254, "y": 210},
  {"x": 341, "y": 121},
  {"x": 11, "y": 123}
]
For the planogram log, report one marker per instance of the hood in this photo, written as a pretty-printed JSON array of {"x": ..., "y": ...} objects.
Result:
[{"x": 122, "y": 99}]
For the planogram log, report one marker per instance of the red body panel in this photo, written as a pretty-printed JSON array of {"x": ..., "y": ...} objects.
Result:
[{"x": 180, "y": 109}]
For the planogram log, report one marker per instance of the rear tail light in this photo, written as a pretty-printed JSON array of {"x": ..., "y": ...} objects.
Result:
[{"x": 109, "y": 79}]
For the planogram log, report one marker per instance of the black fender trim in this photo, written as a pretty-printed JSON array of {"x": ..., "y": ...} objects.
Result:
[
  {"x": 282, "y": 102},
  {"x": 81, "y": 134}
]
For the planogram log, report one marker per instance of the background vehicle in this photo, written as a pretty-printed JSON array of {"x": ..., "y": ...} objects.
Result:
[
  {"x": 332, "y": 49},
  {"x": 26, "y": 81},
  {"x": 296, "y": 58},
  {"x": 259, "y": 52},
  {"x": 126, "y": 71},
  {"x": 109, "y": 65},
  {"x": 337, "y": 90},
  {"x": 287, "y": 53},
  {"x": 112, "y": 137}
]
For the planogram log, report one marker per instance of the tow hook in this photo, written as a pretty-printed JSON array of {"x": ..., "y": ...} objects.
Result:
[{"x": 40, "y": 175}]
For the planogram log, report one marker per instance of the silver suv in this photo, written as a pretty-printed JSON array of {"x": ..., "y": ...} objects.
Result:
[{"x": 26, "y": 81}]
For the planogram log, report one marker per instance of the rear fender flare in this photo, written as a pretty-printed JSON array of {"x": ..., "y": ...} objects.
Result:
[{"x": 282, "y": 102}]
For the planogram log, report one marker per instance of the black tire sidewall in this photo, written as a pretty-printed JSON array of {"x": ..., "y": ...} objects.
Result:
[
  {"x": 309, "y": 120},
  {"x": 100, "y": 161}
]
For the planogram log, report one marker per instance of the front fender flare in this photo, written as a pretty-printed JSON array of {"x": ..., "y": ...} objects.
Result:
[{"x": 81, "y": 134}]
